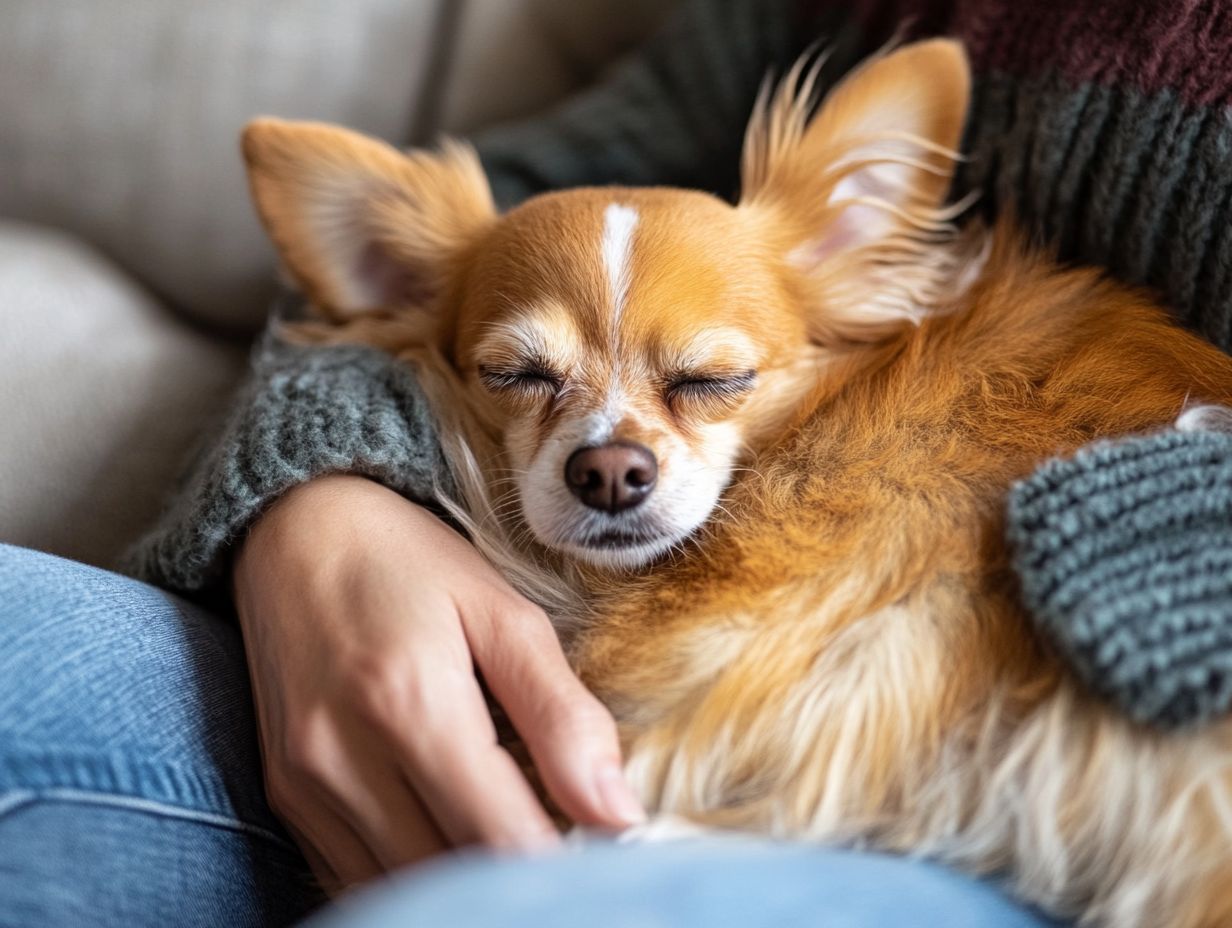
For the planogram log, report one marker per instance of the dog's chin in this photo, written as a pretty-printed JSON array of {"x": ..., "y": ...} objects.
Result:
[
  {"x": 617, "y": 543},
  {"x": 618, "y": 550}
]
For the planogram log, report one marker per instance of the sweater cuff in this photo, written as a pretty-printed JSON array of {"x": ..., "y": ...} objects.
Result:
[
  {"x": 306, "y": 412},
  {"x": 1124, "y": 554}
]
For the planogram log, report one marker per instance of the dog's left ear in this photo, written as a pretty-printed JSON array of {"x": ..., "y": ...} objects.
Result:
[
  {"x": 360, "y": 225},
  {"x": 854, "y": 195}
]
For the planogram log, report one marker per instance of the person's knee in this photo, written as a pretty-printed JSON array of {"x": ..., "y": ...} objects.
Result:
[
  {"x": 717, "y": 882},
  {"x": 42, "y": 596},
  {"x": 81, "y": 643},
  {"x": 116, "y": 696},
  {"x": 97, "y": 667}
]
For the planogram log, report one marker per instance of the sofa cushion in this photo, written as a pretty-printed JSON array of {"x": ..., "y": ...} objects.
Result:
[
  {"x": 102, "y": 392},
  {"x": 120, "y": 122}
]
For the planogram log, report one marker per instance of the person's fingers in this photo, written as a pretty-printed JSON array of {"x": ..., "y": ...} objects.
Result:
[
  {"x": 303, "y": 769},
  {"x": 471, "y": 787},
  {"x": 362, "y": 784},
  {"x": 396, "y": 824},
  {"x": 329, "y": 881},
  {"x": 571, "y": 736},
  {"x": 334, "y": 850},
  {"x": 478, "y": 795}
]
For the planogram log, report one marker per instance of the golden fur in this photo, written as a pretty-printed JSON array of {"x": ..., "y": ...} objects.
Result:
[{"x": 838, "y": 654}]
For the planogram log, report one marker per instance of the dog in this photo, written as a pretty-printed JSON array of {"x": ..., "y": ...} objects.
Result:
[{"x": 755, "y": 458}]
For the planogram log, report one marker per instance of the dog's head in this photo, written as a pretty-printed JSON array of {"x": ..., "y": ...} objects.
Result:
[{"x": 627, "y": 346}]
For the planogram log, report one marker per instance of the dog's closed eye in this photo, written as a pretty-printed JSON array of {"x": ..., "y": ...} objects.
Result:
[
  {"x": 709, "y": 388},
  {"x": 533, "y": 379}
]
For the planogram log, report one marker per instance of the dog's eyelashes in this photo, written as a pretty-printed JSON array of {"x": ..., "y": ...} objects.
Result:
[
  {"x": 722, "y": 388},
  {"x": 528, "y": 381}
]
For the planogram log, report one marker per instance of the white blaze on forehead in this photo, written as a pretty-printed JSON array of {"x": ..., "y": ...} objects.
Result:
[{"x": 618, "y": 224}]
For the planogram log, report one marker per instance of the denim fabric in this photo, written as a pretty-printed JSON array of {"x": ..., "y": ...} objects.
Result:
[
  {"x": 708, "y": 884},
  {"x": 130, "y": 784}
]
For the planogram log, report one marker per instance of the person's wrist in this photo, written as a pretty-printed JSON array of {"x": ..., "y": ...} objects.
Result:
[{"x": 313, "y": 532}]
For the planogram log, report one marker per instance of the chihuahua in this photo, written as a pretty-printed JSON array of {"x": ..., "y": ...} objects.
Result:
[{"x": 755, "y": 459}]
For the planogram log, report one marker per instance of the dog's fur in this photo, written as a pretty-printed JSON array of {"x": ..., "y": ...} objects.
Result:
[{"x": 815, "y": 633}]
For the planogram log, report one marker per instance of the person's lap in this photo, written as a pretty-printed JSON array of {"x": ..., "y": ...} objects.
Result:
[
  {"x": 130, "y": 783},
  {"x": 130, "y": 794}
]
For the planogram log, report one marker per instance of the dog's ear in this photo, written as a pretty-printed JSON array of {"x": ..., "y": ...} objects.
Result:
[
  {"x": 855, "y": 193},
  {"x": 360, "y": 225}
]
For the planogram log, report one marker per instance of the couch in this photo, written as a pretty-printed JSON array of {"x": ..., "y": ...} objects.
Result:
[{"x": 133, "y": 273}]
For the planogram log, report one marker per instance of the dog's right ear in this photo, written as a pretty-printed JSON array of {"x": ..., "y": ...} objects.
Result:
[{"x": 360, "y": 225}]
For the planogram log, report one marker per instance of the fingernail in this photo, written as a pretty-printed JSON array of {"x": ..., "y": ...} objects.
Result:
[{"x": 617, "y": 797}]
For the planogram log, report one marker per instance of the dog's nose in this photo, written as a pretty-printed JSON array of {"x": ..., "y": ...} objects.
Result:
[{"x": 613, "y": 477}]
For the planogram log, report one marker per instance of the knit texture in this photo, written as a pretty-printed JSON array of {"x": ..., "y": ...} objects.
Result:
[
  {"x": 1103, "y": 125},
  {"x": 305, "y": 412},
  {"x": 1124, "y": 553}
]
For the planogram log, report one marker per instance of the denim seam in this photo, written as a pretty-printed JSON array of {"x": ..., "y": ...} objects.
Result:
[
  {"x": 119, "y": 773},
  {"x": 16, "y": 800}
]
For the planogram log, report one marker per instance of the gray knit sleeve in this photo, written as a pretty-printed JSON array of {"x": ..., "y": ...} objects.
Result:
[
  {"x": 304, "y": 412},
  {"x": 1124, "y": 555}
]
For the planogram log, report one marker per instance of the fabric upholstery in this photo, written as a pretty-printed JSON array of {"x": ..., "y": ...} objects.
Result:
[
  {"x": 121, "y": 120},
  {"x": 102, "y": 393}
]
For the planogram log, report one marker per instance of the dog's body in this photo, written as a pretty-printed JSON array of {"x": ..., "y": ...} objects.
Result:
[
  {"x": 843, "y": 658},
  {"x": 836, "y": 652}
]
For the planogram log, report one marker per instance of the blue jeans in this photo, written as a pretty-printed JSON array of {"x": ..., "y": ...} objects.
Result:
[
  {"x": 131, "y": 795},
  {"x": 720, "y": 883}
]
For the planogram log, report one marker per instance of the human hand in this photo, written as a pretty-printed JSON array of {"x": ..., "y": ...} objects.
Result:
[{"x": 365, "y": 618}]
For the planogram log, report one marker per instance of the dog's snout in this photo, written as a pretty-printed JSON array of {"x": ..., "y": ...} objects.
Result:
[{"x": 612, "y": 477}]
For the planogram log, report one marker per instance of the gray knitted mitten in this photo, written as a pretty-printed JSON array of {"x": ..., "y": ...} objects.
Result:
[{"x": 1124, "y": 553}]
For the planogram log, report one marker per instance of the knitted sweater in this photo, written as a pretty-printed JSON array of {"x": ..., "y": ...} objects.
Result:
[{"x": 1105, "y": 127}]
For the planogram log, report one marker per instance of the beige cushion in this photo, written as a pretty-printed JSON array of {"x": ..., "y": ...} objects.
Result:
[
  {"x": 102, "y": 392},
  {"x": 120, "y": 120}
]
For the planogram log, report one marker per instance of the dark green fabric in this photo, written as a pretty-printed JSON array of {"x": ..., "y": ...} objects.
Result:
[
  {"x": 1139, "y": 184},
  {"x": 673, "y": 114}
]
